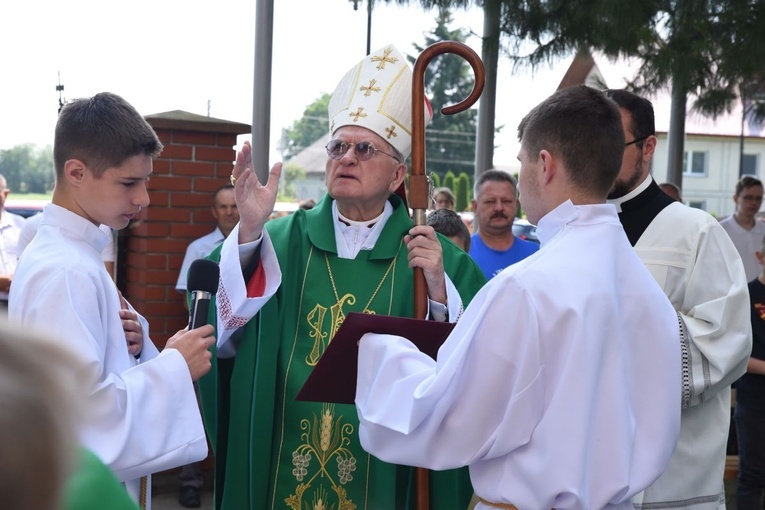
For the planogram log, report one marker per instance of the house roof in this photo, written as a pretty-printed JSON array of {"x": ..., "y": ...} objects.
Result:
[
  {"x": 313, "y": 158},
  {"x": 582, "y": 71}
]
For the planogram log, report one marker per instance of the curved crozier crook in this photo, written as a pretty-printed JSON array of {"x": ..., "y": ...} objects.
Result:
[
  {"x": 418, "y": 189},
  {"x": 418, "y": 94}
]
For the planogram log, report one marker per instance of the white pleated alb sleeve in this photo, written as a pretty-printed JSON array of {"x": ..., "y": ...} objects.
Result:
[{"x": 558, "y": 386}]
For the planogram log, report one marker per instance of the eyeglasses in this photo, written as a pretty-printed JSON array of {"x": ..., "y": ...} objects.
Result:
[
  {"x": 636, "y": 140},
  {"x": 365, "y": 151}
]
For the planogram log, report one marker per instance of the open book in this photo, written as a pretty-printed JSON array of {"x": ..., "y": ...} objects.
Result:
[{"x": 333, "y": 379}]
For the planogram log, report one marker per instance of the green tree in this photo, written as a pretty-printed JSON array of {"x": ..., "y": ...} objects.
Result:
[
  {"x": 703, "y": 49},
  {"x": 462, "y": 192},
  {"x": 292, "y": 173},
  {"x": 449, "y": 179},
  {"x": 436, "y": 180},
  {"x": 28, "y": 169},
  {"x": 309, "y": 128},
  {"x": 490, "y": 45},
  {"x": 449, "y": 139}
]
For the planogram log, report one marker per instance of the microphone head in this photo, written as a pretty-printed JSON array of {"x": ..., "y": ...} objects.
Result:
[{"x": 203, "y": 275}]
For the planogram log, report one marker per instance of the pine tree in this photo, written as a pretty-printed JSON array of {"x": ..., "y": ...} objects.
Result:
[
  {"x": 462, "y": 191},
  {"x": 449, "y": 139}
]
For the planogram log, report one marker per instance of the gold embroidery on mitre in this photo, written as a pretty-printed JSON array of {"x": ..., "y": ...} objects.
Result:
[
  {"x": 385, "y": 59},
  {"x": 324, "y": 438},
  {"x": 370, "y": 88},
  {"x": 357, "y": 114},
  {"x": 390, "y": 132}
]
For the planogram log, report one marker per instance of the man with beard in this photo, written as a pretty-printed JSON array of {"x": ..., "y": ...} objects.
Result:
[
  {"x": 494, "y": 246},
  {"x": 699, "y": 269}
]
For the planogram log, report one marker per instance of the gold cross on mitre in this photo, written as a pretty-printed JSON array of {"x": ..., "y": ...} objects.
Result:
[
  {"x": 385, "y": 58},
  {"x": 370, "y": 88},
  {"x": 390, "y": 132},
  {"x": 358, "y": 113}
]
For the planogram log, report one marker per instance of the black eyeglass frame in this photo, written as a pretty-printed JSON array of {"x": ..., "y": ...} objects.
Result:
[
  {"x": 361, "y": 154},
  {"x": 637, "y": 140}
]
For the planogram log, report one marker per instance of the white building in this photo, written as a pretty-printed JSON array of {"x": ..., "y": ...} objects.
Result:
[{"x": 712, "y": 157}]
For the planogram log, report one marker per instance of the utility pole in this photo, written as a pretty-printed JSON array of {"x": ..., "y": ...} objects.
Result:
[{"x": 261, "y": 90}]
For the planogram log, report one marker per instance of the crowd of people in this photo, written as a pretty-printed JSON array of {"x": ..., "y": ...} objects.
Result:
[{"x": 590, "y": 370}]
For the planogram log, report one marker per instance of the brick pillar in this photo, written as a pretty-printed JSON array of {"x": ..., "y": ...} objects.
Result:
[{"x": 197, "y": 159}]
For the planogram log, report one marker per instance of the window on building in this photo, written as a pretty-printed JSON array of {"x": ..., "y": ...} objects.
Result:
[
  {"x": 698, "y": 204},
  {"x": 750, "y": 164},
  {"x": 695, "y": 163}
]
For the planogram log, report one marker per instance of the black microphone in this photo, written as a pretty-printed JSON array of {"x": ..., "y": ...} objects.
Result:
[{"x": 202, "y": 282}]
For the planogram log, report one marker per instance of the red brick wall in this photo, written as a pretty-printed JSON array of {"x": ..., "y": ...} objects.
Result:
[{"x": 193, "y": 164}]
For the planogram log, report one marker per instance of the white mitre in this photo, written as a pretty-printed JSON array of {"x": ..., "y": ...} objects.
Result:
[{"x": 377, "y": 94}]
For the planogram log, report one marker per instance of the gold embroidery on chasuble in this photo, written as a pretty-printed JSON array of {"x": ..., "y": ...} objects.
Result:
[
  {"x": 316, "y": 316},
  {"x": 324, "y": 440},
  {"x": 321, "y": 465}
]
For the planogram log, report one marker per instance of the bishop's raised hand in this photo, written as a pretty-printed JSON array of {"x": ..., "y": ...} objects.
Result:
[{"x": 254, "y": 200}]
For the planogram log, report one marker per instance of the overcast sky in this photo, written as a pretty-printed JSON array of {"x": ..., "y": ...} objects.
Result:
[{"x": 164, "y": 55}]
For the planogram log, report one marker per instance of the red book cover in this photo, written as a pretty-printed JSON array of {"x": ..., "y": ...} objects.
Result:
[{"x": 333, "y": 379}]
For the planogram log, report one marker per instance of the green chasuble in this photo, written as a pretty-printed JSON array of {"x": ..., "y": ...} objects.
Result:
[{"x": 273, "y": 452}]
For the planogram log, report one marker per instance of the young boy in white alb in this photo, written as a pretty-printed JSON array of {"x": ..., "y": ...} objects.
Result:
[{"x": 146, "y": 417}]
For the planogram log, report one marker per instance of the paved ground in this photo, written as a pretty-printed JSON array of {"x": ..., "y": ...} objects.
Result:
[
  {"x": 165, "y": 496},
  {"x": 165, "y": 492}
]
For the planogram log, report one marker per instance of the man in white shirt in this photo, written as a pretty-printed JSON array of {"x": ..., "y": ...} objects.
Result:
[
  {"x": 226, "y": 216},
  {"x": 744, "y": 229},
  {"x": 10, "y": 227},
  {"x": 558, "y": 385},
  {"x": 694, "y": 261}
]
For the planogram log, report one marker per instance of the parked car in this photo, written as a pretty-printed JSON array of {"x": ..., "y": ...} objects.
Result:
[
  {"x": 25, "y": 207},
  {"x": 467, "y": 219},
  {"x": 525, "y": 230}
]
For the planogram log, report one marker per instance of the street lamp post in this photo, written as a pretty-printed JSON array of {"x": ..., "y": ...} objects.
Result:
[
  {"x": 744, "y": 110},
  {"x": 60, "y": 90},
  {"x": 755, "y": 100},
  {"x": 369, "y": 22},
  {"x": 752, "y": 96}
]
